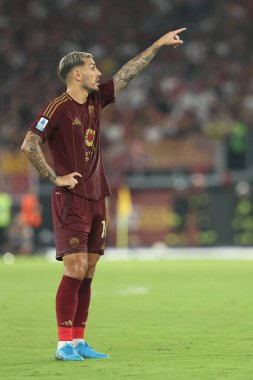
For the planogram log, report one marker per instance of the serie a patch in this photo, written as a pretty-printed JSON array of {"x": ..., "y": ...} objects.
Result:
[{"x": 42, "y": 124}]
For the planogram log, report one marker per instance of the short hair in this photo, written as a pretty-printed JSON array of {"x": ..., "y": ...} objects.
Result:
[{"x": 71, "y": 60}]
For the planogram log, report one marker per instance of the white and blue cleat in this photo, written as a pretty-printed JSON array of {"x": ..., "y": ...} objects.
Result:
[
  {"x": 68, "y": 353},
  {"x": 87, "y": 352}
]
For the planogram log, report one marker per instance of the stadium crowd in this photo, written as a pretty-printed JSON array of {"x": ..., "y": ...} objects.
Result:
[{"x": 202, "y": 88}]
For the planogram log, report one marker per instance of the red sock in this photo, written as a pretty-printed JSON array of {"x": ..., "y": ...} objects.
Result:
[
  {"x": 81, "y": 316},
  {"x": 66, "y": 305}
]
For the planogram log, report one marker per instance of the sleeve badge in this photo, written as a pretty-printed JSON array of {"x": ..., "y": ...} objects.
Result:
[{"x": 41, "y": 124}]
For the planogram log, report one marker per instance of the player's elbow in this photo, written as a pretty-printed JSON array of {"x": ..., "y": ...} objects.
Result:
[
  {"x": 30, "y": 144},
  {"x": 25, "y": 147},
  {"x": 28, "y": 147}
]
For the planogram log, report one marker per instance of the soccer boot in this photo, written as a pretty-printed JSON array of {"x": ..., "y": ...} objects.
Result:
[
  {"x": 67, "y": 352},
  {"x": 87, "y": 352}
]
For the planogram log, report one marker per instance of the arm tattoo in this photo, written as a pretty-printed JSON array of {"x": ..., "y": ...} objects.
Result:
[
  {"x": 133, "y": 67},
  {"x": 34, "y": 153}
]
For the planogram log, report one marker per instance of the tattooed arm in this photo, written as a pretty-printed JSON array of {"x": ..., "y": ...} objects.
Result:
[
  {"x": 137, "y": 64},
  {"x": 31, "y": 147}
]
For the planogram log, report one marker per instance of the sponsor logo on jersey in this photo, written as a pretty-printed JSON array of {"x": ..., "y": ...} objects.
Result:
[
  {"x": 42, "y": 124},
  {"x": 76, "y": 121},
  {"x": 91, "y": 109},
  {"x": 89, "y": 153},
  {"x": 89, "y": 137},
  {"x": 74, "y": 242}
]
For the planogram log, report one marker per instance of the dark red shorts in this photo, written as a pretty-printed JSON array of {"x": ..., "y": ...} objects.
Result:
[{"x": 79, "y": 224}]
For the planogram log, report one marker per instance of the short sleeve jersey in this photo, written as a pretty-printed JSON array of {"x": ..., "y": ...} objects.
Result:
[{"x": 72, "y": 132}]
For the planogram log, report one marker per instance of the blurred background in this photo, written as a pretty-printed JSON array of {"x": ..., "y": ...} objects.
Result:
[{"x": 177, "y": 144}]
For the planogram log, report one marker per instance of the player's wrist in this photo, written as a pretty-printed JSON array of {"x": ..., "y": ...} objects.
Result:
[
  {"x": 158, "y": 43},
  {"x": 57, "y": 180}
]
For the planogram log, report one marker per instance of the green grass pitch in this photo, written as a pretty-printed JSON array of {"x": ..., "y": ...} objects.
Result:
[{"x": 178, "y": 320}]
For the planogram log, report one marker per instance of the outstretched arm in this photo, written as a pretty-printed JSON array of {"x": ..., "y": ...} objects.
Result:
[
  {"x": 137, "y": 64},
  {"x": 31, "y": 147}
]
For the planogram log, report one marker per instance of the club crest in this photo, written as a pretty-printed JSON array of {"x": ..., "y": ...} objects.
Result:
[
  {"x": 89, "y": 137},
  {"x": 74, "y": 242}
]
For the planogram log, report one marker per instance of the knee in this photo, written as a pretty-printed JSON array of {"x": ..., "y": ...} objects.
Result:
[
  {"x": 92, "y": 267},
  {"x": 80, "y": 272},
  {"x": 91, "y": 271},
  {"x": 77, "y": 270}
]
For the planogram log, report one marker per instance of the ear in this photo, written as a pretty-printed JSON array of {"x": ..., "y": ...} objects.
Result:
[{"x": 76, "y": 74}]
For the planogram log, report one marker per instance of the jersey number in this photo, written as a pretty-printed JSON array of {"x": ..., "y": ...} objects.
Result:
[{"x": 103, "y": 229}]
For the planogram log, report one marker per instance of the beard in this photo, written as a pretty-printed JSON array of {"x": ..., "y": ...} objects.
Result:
[{"x": 90, "y": 89}]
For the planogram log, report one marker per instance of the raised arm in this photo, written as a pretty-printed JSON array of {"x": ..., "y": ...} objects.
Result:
[
  {"x": 32, "y": 148},
  {"x": 137, "y": 64}
]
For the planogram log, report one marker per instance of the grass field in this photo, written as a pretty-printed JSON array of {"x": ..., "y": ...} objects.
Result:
[{"x": 178, "y": 320}]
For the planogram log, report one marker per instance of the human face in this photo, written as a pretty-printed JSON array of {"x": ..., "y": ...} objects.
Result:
[{"x": 89, "y": 76}]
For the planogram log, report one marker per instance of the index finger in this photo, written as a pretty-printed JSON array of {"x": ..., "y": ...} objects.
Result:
[
  {"x": 76, "y": 174},
  {"x": 179, "y": 30}
]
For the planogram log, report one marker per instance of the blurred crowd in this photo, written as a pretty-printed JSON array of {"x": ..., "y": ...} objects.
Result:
[{"x": 204, "y": 87}]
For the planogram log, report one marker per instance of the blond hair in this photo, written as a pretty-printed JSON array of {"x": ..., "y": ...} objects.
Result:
[{"x": 76, "y": 58}]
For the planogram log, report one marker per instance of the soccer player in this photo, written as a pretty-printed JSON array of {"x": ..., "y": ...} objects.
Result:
[{"x": 70, "y": 125}]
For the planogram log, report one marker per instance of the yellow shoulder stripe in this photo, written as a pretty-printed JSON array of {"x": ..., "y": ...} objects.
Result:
[
  {"x": 50, "y": 105},
  {"x": 49, "y": 111}
]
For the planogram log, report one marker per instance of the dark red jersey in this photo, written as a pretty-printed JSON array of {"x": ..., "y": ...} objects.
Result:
[{"x": 72, "y": 132}]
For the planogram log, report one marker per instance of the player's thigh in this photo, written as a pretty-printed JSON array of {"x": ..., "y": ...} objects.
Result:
[
  {"x": 72, "y": 216},
  {"x": 93, "y": 258},
  {"x": 96, "y": 242}
]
